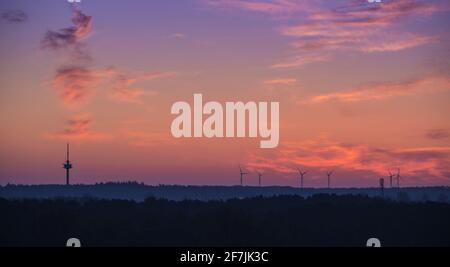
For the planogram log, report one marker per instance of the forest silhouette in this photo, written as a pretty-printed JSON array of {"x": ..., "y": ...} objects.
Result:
[{"x": 320, "y": 220}]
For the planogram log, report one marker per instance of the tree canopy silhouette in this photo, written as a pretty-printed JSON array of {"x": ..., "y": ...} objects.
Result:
[{"x": 321, "y": 220}]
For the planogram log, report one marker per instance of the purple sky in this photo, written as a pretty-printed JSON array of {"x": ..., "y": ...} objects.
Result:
[{"x": 363, "y": 89}]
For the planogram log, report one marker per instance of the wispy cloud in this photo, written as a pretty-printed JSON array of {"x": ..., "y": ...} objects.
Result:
[
  {"x": 300, "y": 60},
  {"x": 70, "y": 38},
  {"x": 14, "y": 16},
  {"x": 359, "y": 26},
  {"x": 322, "y": 154},
  {"x": 76, "y": 84},
  {"x": 385, "y": 90},
  {"x": 281, "y": 81},
  {"x": 79, "y": 129},
  {"x": 178, "y": 35},
  {"x": 405, "y": 41},
  {"x": 78, "y": 81},
  {"x": 438, "y": 134},
  {"x": 318, "y": 29},
  {"x": 271, "y": 7},
  {"x": 123, "y": 88}
]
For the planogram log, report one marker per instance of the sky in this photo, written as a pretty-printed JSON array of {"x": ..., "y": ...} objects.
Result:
[{"x": 364, "y": 89}]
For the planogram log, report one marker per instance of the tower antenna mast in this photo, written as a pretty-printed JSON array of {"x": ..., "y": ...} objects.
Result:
[{"x": 67, "y": 165}]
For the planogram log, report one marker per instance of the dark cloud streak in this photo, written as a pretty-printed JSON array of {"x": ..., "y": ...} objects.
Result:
[
  {"x": 70, "y": 38},
  {"x": 438, "y": 134},
  {"x": 14, "y": 16}
]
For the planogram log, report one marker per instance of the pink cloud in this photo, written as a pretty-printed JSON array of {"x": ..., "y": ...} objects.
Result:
[
  {"x": 400, "y": 43},
  {"x": 76, "y": 84},
  {"x": 359, "y": 26},
  {"x": 282, "y": 81},
  {"x": 323, "y": 154},
  {"x": 300, "y": 60},
  {"x": 78, "y": 129},
  {"x": 385, "y": 90},
  {"x": 124, "y": 91}
]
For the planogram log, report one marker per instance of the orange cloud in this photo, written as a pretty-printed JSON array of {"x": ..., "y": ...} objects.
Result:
[
  {"x": 300, "y": 60},
  {"x": 404, "y": 42},
  {"x": 385, "y": 90},
  {"x": 324, "y": 154},
  {"x": 285, "y": 81},
  {"x": 123, "y": 90},
  {"x": 78, "y": 129},
  {"x": 76, "y": 84},
  {"x": 358, "y": 26}
]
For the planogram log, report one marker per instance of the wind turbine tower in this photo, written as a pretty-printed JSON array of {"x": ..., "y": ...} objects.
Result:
[
  {"x": 398, "y": 177},
  {"x": 329, "y": 173},
  {"x": 390, "y": 178},
  {"x": 67, "y": 165},
  {"x": 259, "y": 178},
  {"x": 382, "y": 186},
  {"x": 302, "y": 175},
  {"x": 242, "y": 175}
]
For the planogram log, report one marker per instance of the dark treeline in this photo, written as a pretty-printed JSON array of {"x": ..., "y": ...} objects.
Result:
[
  {"x": 321, "y": 220},
  {"x": 139, "y": 192}
]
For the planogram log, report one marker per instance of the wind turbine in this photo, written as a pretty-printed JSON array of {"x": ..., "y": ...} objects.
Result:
[
  {"x": 382, "y": 186},
  {"x": 242, "y": 175},
  {"x": 398, "y": 177},
  {"x": 329, "y": 173},
  {"x": 302, "y": 174},
  {"x": 390, "y": 177},
  {"x": 259, "y": 178}
]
